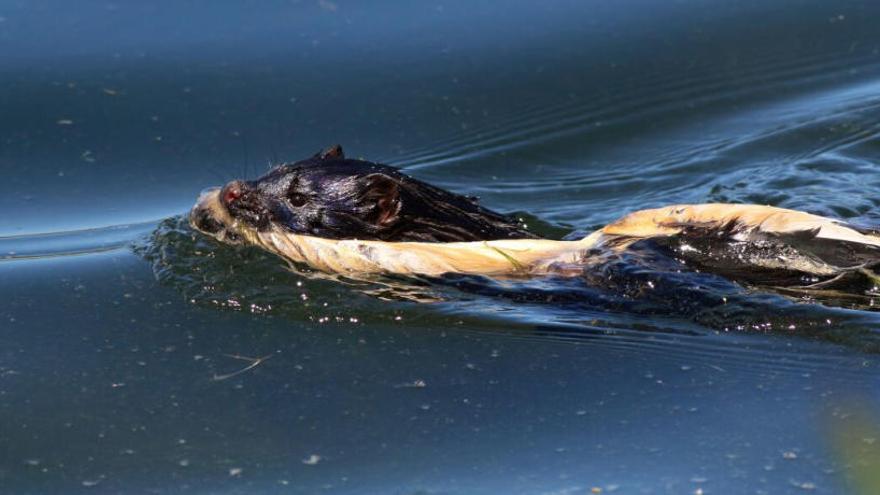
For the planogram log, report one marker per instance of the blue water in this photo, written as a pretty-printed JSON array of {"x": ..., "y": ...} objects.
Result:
[{"x": 140, "y": 357}]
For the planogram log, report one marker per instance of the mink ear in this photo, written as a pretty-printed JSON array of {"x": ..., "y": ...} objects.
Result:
[
  {"x": 384, "y": 192},
  {"x": 332, "y": 153}
]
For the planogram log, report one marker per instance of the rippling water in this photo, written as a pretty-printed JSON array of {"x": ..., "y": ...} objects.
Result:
[{"x": 139, "y": 356}]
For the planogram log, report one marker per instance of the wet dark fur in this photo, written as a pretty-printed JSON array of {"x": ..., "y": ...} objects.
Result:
[
  {"x": 333, "y": 197},
  {"x": 743, "y": 253}
]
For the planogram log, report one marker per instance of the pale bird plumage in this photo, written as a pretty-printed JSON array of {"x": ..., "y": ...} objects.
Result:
[{"x": 517, "y": 257}]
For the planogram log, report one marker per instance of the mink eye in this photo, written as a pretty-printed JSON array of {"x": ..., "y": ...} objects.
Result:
[{"x": 296, "y": 199}]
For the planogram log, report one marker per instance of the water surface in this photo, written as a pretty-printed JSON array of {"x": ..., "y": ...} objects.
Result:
[{"x": 124, "y": 333}]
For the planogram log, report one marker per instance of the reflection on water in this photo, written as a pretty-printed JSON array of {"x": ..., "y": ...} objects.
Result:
[{"x": 116, "y": 115}]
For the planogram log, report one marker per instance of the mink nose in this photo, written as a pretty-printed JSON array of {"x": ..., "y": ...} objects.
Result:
[{"x": 232, "y": 191}]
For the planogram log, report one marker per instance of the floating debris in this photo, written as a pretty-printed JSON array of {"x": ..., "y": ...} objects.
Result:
[
  {"x": 254, "y": 363},
  {"x": 311, "y": 460},
  {"x": 804, "y": 485},
  {"x": 418, "y": 383},
  {"x": 91, "y": 483}
]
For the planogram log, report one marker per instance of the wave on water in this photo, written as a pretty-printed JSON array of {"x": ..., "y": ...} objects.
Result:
[
  {"x": 72, "y": 243},
  {"x": 778, "y": 132},
  {"x": 537, "y": 124}
]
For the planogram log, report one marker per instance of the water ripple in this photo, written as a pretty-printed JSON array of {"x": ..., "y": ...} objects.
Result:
[
  {"x": 636, "y": 305},
  {"x": 71, "y": 243},
  {"x": 567, "y": 118},
  {"x": 787, "y": 152}
]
